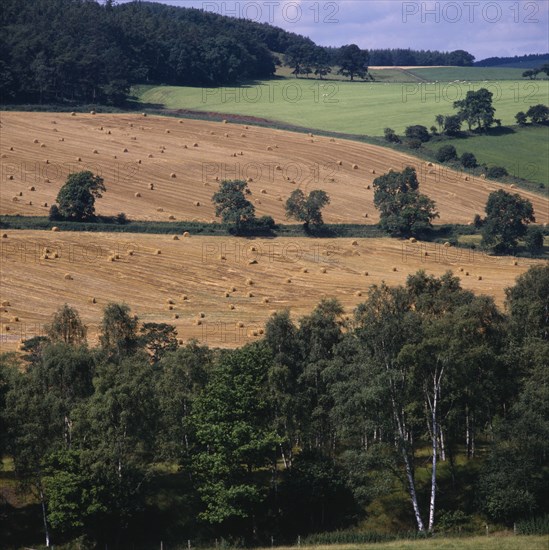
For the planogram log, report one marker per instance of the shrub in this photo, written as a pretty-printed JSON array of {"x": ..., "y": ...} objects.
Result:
[
  {"x": 121, "y": 218},
  {"x": 418, "y": 132},
  {"x": 414, "y": 143},
  {"x": 446, "y": 153},
  {"x": 391, "y": 136},
  {"x": 468, "y": 160},
  {"x": 496, "y": 172},
  {"x": 521, "y": 118},
  {"x": 54, "y": 214},
  {"x": 534, "y": 240}
]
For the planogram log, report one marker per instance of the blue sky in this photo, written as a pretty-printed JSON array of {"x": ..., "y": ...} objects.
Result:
[{"x": 485, "y": 28}]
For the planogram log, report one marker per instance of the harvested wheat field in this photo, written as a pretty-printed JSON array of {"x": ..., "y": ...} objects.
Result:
[
  {"x": 218, "y": 290},
  {"x": 161, "y": 168}
]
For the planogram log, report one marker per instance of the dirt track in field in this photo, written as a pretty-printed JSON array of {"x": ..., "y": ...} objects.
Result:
[
  {"x": 215, "y": 275},
  {"x": 131, "y": 152}
]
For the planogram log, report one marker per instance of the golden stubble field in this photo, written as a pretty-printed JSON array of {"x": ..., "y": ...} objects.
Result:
[
  {"x": 218, "y": 290},
  {"x": 131, "y": 152}
]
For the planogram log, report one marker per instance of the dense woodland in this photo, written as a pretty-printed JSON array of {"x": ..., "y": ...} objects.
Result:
[
  {"x": 82, "y": 51},
  {"x": 428, "y": 405}
]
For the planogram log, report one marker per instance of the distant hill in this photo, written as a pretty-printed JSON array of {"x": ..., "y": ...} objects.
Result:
[{"x": 517, "y": 62}]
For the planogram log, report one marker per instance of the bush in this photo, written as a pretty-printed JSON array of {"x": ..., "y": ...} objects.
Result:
[
  {"x": 521, "y": 118},
  {"x": 414, "y": 143},
  {"x": 54, "y": 214},
  {"x": 390, "y": 136},
  {"x": 534, "y": 526},
  {"x": 468, "y": 160},
  {"x": 496, "y": 172},
  {"x": 478, "y": 221},
  {"x": 446, "y": 153},
  {"x": 121, "y": 218},
  {"x": 418, "y": 132},
  {"x": 534, "y": 240}
]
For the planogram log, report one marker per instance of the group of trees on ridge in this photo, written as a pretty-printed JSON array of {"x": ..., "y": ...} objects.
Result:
[
  {"x": 296, "y": 432},
  {"x": 84, "y": 51}
]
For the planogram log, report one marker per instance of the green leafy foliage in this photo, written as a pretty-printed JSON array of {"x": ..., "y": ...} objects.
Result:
[
  {"x": 307, "y": 209},
  {"x": 76, "y": 198}
]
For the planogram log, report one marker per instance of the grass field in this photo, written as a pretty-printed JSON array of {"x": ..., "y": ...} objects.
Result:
[
  {"x": 523, "y": 152},
  {"x": 199, "y": 274},
  {"x": 352, "y": 107},
  {"x": 305, "y": 162},
  {"x": 473, "y": 543},
  {"x": 448, "y": 74}
]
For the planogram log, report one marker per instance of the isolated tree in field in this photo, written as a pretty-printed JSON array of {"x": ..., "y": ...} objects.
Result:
[
  {"x": 76, "y": 198},
  {"x": 538, "y": 114},
  {"x": 232, "y": 205},
  {"x": 353, "y": 61},
  {"x": 307, "y": 209},
  {"x": 67, "y": 327},
  {"x": 506, "y": 221},
  {"x": 452, "y": 125},
  {"x": 521, "y": 118},
  {"x": 477, "y": 109},
  {"x": 403, "y": 210}
]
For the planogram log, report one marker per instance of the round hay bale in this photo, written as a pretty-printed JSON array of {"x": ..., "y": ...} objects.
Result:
[
  {"x": 93, "y": 300},
  {"x": 197, "y": 203},
  {"x": 480, "y": 277},
  {"x": 173, "y": 175},
  {"x": 354, "y": 243},
  {"x": 250, "y": 180},
  {"x": 304, "y": 270},
  {"x": 4, "y": 235},
  {"x": 176, "y": 315},
  {"x": 186, "y": 235},
  {"x": 160, "y": 209},
  {"x": 184, "y": 297},
  {"x": 240, "y": 324},
  {"x": 358, "y": 293},
  {"x": 68, "y": 277},
  {"x": 111, "y": 258},
  {"x": 231, "y": 306},
  {"x": 95, "y": 152},
  {"x": 10, "y": 177},
  {"x": 14, "y": 320},
  {"x": 150, "y": 156},
  {"x": 413, "y": 240},
  {"x": 45, "y": 204},
  {"x": 167, "y": 131},
  {"x": 202, "y": 315},
  {"x": 447, "y": 244},
  {"x": 92, "y": 112},
  {"x": 227, "y": 294},
  {"x": 198, "y": 322},
  {"x": 125, "y": 150},
  {"x": 73, "y": 114},
  {"x": 55, "y": 228},
  {"x": 170, "y": 308},
  {"x": 466, "y": 178},
  {"x": 366, "y": 274},
  {"x": 264, "y": 191},
  {"x": 181, "y": 122},
  {"x": 7, "y": 328},
  {"x": 515, "y": 262},
  {"x": 483, "y": 176},
  {"x": 467, "y": 274},
  {"x": 247, "y": 128},
  {"x": 175, "y": 238},
  {"x": 224, "y": 121},
  {"x": 355, "y": 166},
  {"x": 6, "y": 303},
  {"x": 158, "y": 252},
  {"x": 109, "y": 132},
  {"x": 461, "y": 269},
  {"x": 265, "y": 300},
  {"x": 373, "y": 171},
  {"x": 429, "y": 164},
  {"x": 249, "y": 282},
  {"x": 36, "y": 141},
  {"x": 513, "y": 186},
  {"x": 195, "y": 144},
  {"x": 243, "y": 135},
  {"x": 137, "y": 194},
  {"x": 144, "y": 114},
  {"x": 250, "y": 295},
  {"x": 171, "y": 217},
  {"x": 395, "y": 269},
  {"x": 151, "y": 186},
  {"x": 269, "y": 148},
  {"x": 252, "y": 262},
  {"x": 288, "y": 280},
  {"x": 78, "y": 159},
  {"x": 340, "y": 163},
  {"x": 32, "y": 188},
  {"x": 322, "y": 270},
  {"x": 232, "y": 289}
]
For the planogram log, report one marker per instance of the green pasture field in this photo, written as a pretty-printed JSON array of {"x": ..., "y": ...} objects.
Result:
[
  {"x": 360, "y": 108},
  {"x": 523, "y": 151},
  {"x": 449, "y": 74}
]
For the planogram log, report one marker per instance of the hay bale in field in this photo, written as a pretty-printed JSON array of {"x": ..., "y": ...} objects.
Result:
[
  {"x": 197, "y": 203},
  {"x": 32, "y": 188},
  {"x": 264, "y": 191},
  {"x": 515, "y": 262},
  {"x": 332, "y": 140},
  {"x": 109, "y": 132},
  {"x": 466, "y": 178},
  {"x": 250, "y": 295},
  {"x": 14, "y": 320},
  {"x": 250, "y": 180},
  {"x": 5, "y": 303},
  {"x": 426, "y": 253},
  {"x": 137, "y": 194},
  {"x": 243, "y": 135},
  {"x": 111, "y": 258},
  {"x": 184, "y": 297},
  {"x": 93, "y": 300},
  {"x": 480, "y": 277},
  {"x": 55, "y": 228},
  {"x": 160, "y": 209},
  {"x": 170, "y": 308},
  {"x": 355, "y": 166},
  {"x": 186, "y": 235},
  {"x": 36, "y": 141},
  {"x": 265, "y": 300},
  {"x": 125, "y": 150},
  {"x": 198, "y": 322},
  {"x": 171, "y": 217},
  {"x": 413, "y": 240},
  {"x": 227, "y": 294},
  {"x": 78, "y": 159},
  {"x": 366, "y": 274},
  {"x": 151, "y": 186},
  {"x": 167, "y": 131},
  {"x": 10, "y": 177},
  {"x": 304, "y": 270},
  {"x": 73, "y": 114},
  {"x": 4, "y": 235},
  {"x": 429, "y": 164},
  {"x": 68, "y": 277},
  {"x": 340, "y": 163},
  {"x": 269, "y": 148},
  {"x": 92, "y": 112},
  {"x": 467, "y": 274},
  {"x": 447, "y": 244},
  {"x": 7, "y": 329},
  {"x": 176, "y": 315},
  {"x": 181, "y": 122},
  {"x": 158, "y": 252},
  {"x": 12, "y": 149},
  {"x": 144, "y": 114},
  {"x": 150, "y": 156},
  {"x": 45, "y": 205},
  {"x": 247, "y": 128},
  {"x": 240, "y": 324},
  {"x": 231, "y": 306},
  {"x": 139, "y": 161},
  {"x": 249, "y": 282},
  {"x": 395, "y": 269},
  {"x": 95, "y": 152},
  {"x": 175, "y": 238},
  {"x": 288, "y": 280},
  {"x": 252, "y": 262},
  {"x": 195, "y": 144},
  {"x": 322, "y": 270},
  {"x": 358, "y": 293},
  {"x": 224, "y": 121},
  {"x": 202, "y": 315},
  {"x": 483, "y": 176},
  {"x": 354, "y": 243},
  {"x": 513, "y": 186},
  {"x": 20, "y": 193},
  {"x": 173, "y": 175}
]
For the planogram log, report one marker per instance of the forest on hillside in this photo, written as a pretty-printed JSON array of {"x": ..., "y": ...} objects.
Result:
[
  {"x": 426, "y": 411},
  {"x": 54, "y": 51}
]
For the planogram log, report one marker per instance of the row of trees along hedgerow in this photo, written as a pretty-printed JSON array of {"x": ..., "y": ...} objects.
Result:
[
  {"x": 404, "y": 211},
  {"x": 426, "y": 390}
]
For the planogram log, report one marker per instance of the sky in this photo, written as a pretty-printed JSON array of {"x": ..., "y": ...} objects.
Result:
[{"x": 485, "y": 28}]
